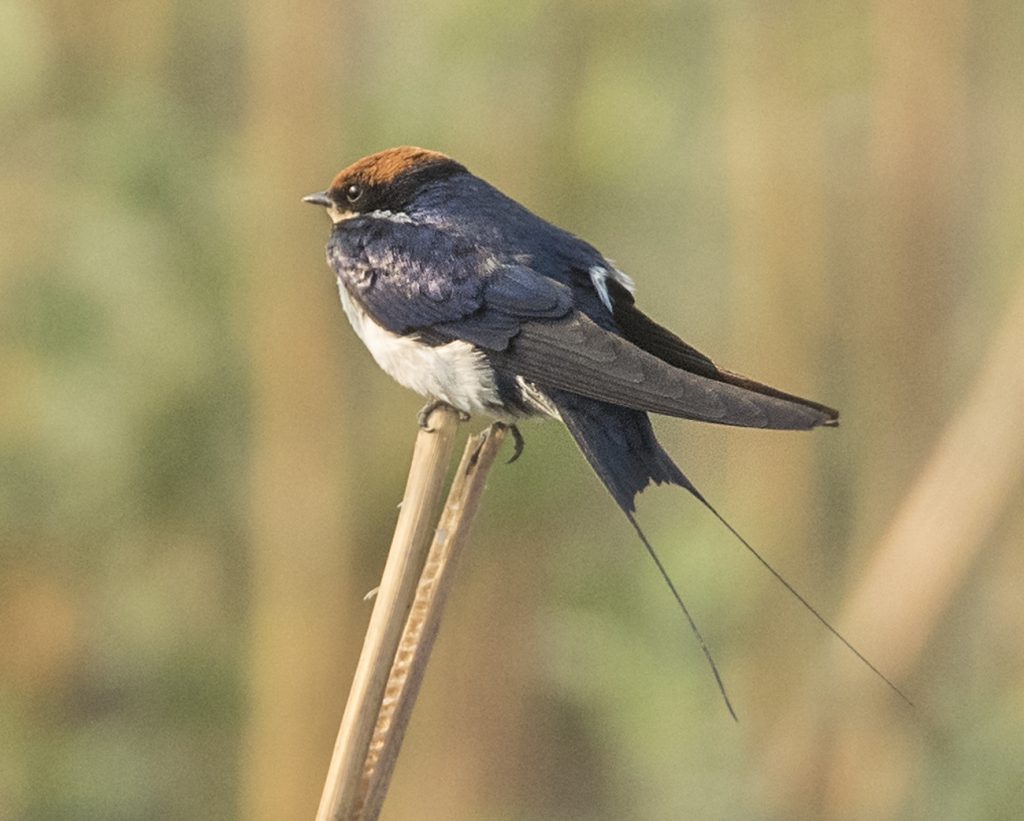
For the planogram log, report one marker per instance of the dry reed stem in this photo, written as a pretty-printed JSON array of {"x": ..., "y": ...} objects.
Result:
[
  {"x": 424, "y": 618},
  {"x": 430, "y": 460}
]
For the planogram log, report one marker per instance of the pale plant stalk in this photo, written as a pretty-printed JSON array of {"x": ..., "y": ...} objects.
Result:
[
  {"x": 406, "y": 556},
  {"x": 424, "y": 619}
]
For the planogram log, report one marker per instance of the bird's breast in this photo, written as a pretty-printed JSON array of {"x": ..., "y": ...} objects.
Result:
[{"x": 456, "y": 372}]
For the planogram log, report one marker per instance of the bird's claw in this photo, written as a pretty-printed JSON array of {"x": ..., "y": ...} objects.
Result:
[
  {"x": 518, "y": 443},
  {"x": 517, "y": 439},
  {"x": 423, "y": 417}
]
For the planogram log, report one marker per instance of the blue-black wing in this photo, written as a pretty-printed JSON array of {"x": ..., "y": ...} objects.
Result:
[
  {"x": 413, "y": 278},
  {"x": 416, "y": 279},
  {"x": 574, "y": 354}
]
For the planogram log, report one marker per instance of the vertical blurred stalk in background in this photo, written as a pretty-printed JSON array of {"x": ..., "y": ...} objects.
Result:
[
  {"x": 777, "y": 183},
  {"x": 301, "y": 647}
]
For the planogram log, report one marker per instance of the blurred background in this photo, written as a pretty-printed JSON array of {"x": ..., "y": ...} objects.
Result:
[{"x": 200, "y": 464}]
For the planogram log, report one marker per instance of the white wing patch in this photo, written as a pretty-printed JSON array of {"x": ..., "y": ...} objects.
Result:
[
  {"x": 600, "y": 275},
  {"x": 536, "y": 399},
  {"x": 392, "y": 216}
]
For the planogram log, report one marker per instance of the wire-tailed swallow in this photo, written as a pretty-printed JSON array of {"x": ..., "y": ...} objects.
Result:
[{"x": 465, "y": 296}]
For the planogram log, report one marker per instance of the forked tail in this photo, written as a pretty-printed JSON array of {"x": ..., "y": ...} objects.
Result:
[{"x": 620, "y": 445}]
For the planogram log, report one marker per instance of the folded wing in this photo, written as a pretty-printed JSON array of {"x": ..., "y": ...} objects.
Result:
[
  {"x": 647, "y": 334},
  {"x": 574, "y": 354}
]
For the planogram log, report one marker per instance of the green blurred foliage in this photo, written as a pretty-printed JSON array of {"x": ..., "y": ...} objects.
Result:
[{"x": 199, "y": 464}]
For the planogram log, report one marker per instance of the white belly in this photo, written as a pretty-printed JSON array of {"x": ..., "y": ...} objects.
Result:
[{"x": 455, "y": 373}]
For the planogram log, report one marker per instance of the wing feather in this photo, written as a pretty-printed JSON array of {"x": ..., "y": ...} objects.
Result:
[
  {"x": 414, "y": 279},
  {"x": 645, "y": 333},
  {"x": 576, "y": 355}
]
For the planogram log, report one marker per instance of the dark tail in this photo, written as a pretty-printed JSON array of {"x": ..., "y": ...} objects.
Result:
[{"x": 620, "y": 445}]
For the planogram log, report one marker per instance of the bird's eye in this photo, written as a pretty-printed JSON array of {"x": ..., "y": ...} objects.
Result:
[{"x": 354, "y": 192}]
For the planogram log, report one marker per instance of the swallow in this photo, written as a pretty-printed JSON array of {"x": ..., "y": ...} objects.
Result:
[{"x": 468, "y": 298}]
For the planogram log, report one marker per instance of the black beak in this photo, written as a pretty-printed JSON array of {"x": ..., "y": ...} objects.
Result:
[{"x": 320, "y": 198}]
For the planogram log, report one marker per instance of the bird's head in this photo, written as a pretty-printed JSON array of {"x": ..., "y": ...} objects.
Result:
[{"x": 386, "y": 181}]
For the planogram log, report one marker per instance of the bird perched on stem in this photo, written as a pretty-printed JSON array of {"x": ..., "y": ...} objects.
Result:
[{"x": 465, "y": 296}]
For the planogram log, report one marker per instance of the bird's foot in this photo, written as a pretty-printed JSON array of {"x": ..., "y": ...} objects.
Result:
[
  {"x": 423, "y": 417},
  {"x": 517, "y": 439},
  {"x": 518, "y": 443}
]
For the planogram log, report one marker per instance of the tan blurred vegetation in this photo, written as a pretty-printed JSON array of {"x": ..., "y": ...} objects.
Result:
[{"x": 199, "y": 464}]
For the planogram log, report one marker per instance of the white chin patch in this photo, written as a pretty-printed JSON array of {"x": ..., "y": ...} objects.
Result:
[
  {"x": 339, "y": 215},
  {"x": 600, "y": 275}
]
